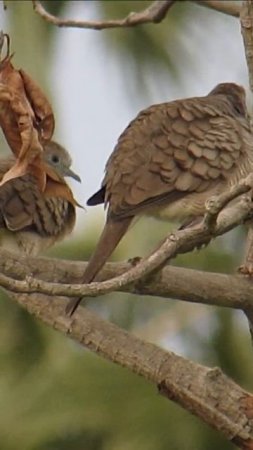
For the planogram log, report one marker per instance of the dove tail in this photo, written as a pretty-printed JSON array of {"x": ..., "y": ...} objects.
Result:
[{"x": 109, "y": 239}]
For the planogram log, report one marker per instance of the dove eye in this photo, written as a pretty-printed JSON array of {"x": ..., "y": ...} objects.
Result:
[{"x": 55, "y": 159}]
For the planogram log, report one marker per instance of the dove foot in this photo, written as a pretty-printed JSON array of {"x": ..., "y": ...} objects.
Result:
[
  {"x": 246, "y": 269},
  {"x": 134, "y": 261}
]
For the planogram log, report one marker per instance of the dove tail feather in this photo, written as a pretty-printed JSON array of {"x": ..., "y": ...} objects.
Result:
[{"x": 110, "y": 237}]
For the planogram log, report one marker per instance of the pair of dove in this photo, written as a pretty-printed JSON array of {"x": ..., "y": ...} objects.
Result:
[{"x": 169, "y": 160}]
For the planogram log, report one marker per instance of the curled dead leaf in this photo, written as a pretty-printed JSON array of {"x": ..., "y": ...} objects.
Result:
[
  {"x": 16, "y": 115},
  {"x": 44, "y": 117},
  {"x": 26, "y": 118}
]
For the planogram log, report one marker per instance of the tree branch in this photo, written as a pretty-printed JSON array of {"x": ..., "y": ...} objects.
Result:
[
  {"x": 205, "y": 392},
  {"x": 233, "y": 291},
  {"x": 246, "y": 18},
  {"x": 155, "y": 13}
]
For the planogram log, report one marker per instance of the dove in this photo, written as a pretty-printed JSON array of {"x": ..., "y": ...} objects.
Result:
[
  {"x": 168, "y": 161},
  {"x": 32, "y": 220}
]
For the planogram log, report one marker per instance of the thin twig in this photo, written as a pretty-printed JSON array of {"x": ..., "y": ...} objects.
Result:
[
  {"x": 155, "y": 13},
  {"x": 246, "y": 18}
]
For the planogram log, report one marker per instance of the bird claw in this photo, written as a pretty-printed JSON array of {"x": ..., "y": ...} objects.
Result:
[
  {"x": 246, "y": 269},
  {"x": 134, "y": 261}
]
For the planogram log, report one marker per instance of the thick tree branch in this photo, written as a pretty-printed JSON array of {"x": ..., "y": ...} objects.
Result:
[
  {"x": 205, "y": 392},
  {"x": 233, "y": 291},
  {"x": 155, "y": 13}
]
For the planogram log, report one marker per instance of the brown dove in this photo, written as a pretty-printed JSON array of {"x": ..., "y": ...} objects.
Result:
[
  {"x": 169, "y": 160},
  {"x": 31, "y": 220}
]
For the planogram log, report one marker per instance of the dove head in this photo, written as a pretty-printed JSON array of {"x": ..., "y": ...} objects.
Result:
[
  {"x": 235, "y": 94},
  {"x": 59, "y": 159}
]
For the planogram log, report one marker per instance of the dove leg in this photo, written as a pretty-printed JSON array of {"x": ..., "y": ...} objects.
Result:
[{"x": 247, "y": 267}]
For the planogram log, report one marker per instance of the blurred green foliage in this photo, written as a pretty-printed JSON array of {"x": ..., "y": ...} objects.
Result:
[
  {"x": 145, "y": 46},
  {"x": 55, "y": 395}
]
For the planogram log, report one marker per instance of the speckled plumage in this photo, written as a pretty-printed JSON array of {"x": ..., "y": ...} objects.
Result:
[
  {"x": 169, "y": 160},
  {"x": 30, "y": 220},
  {"x": 172, "y": 150}
]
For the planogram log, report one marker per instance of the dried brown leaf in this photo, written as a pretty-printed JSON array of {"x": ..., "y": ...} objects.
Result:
[
  {"x": 26, "y": 118},
  {"x": 16, "y": 115},
  {"x": 42, "y": 109}
]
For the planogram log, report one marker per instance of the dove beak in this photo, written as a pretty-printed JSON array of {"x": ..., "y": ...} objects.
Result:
[{"x": 72, "y": 174}]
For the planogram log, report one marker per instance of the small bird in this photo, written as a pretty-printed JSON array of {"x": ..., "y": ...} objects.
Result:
[
  {"x": 169, "y": 160},
  {"x": 32, "y": 220}
]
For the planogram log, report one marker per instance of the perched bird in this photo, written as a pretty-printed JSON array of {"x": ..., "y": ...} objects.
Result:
[
  {"x": 31, "y": 220},
  {"x": 169, "y": 160}
]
